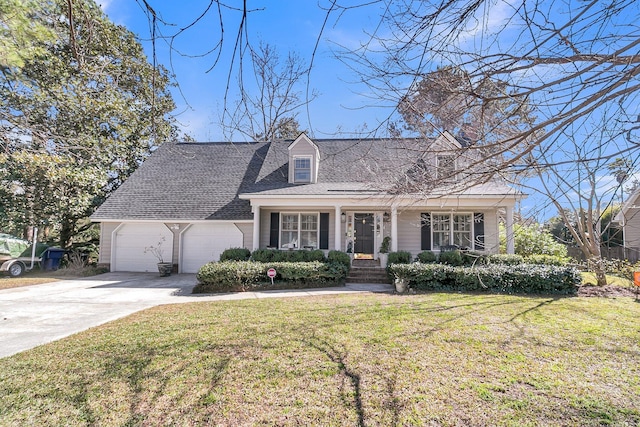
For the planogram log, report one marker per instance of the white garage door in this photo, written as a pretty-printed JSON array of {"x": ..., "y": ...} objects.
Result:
[
  {"x": 203, "y": 243},
  {"x": 131, "y": 240}
]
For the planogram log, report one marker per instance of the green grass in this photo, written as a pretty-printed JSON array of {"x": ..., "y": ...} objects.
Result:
[
  {"x": 589, "y": 278},
  {"x": 436, "y": 359}
]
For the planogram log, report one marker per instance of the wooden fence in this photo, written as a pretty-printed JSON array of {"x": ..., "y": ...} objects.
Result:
[{"x": 616, "y": 252}]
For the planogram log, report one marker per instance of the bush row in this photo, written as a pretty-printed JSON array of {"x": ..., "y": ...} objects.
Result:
[
  {"x": 468, "y": 258},
  {"x": 522, "y": 278},
  {"x": 273, "y": 255},
  {"x": 234, "y": 276}
]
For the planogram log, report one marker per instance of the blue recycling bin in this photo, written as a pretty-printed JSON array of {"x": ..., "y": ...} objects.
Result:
[{"x": 51, "y": 258}]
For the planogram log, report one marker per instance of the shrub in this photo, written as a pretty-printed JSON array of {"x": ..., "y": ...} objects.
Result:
[
  {"x": 252, "y": 276},
  {"x": 400, "y": 257},
  {"x": 620, "y": 268},
  {"x": 427, "y": 257},
  {"x": 451, "y": 258},
  {"x": 546, "y": 260},
  {"x": 275, "y": 255},
  {"x": 531, "y": 240},
  {"x": 386, "y": 244},
  {"x": 339, "y": 257},
  {"x": 506, "y": 259},
  {"x": 470, "y": 258},
  {"x": 264, "y": 255},
  {"x": 235, "y": 254},
  {"x": 524, "y": 278}
]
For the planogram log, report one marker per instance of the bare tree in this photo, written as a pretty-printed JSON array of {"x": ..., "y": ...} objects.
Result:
[
  {"x": 576, "y": 63},
  {"x": 270, "y": 98}
]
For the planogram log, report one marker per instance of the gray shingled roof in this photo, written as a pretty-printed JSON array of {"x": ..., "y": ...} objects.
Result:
[
  {"x": 197, "y": 181},
  {"x": 188, "y": 181}
]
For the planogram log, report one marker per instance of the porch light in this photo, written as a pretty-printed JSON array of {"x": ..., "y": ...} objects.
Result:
[
  {"x": 343, "y": 217},
  {"x": 386, "y": 217}
]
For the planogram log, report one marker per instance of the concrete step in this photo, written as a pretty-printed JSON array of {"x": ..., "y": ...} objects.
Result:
[{"x": 367, "y": 275}]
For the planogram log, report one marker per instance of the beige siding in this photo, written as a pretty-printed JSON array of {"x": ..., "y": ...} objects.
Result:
[
  {"x": 491, "y": 234},
  {"x": 632, "y": 225},
  {"x": 247, "y": 234},
  {"x": 106, "y": 231},
  {"x": 409, "y": 237}
]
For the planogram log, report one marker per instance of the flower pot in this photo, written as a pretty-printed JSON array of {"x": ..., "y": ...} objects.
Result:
[
  {"x": 164, "y": 268},
  {"x": 383, "y": 258},
  {"x": 401, "y": 285}
]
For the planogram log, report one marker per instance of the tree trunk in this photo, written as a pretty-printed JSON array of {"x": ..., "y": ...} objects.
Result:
[
  {"x": 596, "y": 264},
  {"x": 66, "y": 232}
]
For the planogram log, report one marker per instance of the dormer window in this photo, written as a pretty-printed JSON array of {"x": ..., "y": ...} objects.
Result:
[
  {"x": 446, "y": 166},
  {"x": 302, "y": 169},
  {"x": 304, "y": 158}
]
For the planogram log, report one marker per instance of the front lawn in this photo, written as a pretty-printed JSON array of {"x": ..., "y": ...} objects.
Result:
[{"x": 435, "y": 359}]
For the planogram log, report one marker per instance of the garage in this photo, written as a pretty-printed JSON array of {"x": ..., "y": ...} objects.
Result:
[
  {"x": 129, "y": 242},
  {"x": 203, "y": 243}
]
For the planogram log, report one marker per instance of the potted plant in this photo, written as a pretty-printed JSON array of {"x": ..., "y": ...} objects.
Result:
[
  {"x": 350, "y": 250},
  {"x": 383, "y": 252},
  {"x": 164, "y": 268}
]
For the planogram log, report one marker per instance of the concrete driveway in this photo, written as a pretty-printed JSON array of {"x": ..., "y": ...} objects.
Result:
[{"x": 35, "y": 315}]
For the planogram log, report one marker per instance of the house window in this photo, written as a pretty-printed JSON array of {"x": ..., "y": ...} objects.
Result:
[
  {"x": 452, "y": 229},
  {"x": 462, "y": 230},
  {"x": 302, "y": 169},
  {"x": 441, "y": 228},
  {"x": 446, "y": 166},
  {"x": 299, "y": 230}
]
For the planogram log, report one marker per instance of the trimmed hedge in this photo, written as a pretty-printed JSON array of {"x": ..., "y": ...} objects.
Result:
[
  {"x": 450, "y": 258},
  {"x": 235, "y": 254},
  {"x": 506, "y": 259},
  {"x": 523, "y": 278},
  {"x": 340, "y": 257},
  {"x": 426, "y": 257},
  {"x": 400, "y": 257},
  {"x": 239, "y": 276},
  {"x": 276, "y": 255},
  {"x": 546, "y": 260}
]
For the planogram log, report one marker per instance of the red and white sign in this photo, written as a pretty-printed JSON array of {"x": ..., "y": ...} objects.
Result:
[{"x": 271, "y": 272}]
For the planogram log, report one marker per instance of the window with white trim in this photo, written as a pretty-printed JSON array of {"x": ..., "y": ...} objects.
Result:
[
  {"x": 445, "y": 166},
  {"x": 462, "y": 230},
  {"x": 452, "y": 229},
  {"x": 302, "y": 169},
  {"x": 441, "y": 229},
  {"x": 299, "y": 230}
]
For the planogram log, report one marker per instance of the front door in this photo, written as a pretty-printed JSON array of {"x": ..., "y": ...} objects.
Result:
[{"x": 364, "y": 233}]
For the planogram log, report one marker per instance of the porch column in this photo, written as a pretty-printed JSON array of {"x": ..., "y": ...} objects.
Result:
[
  {"x": 511, "y": 246},
  {"x": 256, "y": 226},
  {"x": 394, "y": 228},
  {"x": 337, "y": 234}
]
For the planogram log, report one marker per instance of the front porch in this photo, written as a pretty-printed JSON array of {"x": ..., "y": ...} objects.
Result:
[{"x": 303, "y": 224}]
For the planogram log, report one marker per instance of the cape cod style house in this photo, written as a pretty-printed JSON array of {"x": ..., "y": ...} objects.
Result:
[{"x": 197, "y": 199}]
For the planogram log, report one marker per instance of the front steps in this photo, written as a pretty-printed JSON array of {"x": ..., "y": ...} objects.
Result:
[{"x": 367, "y": 271}]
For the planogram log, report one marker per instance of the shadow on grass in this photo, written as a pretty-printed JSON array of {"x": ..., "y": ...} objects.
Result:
[{"x": 339, "y": 358}]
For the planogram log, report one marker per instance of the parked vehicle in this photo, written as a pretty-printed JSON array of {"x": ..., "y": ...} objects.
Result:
[{"x": 18, "y": 255}]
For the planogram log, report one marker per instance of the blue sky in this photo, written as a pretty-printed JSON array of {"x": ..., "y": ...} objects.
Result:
[{"x": 341, "y": 105}]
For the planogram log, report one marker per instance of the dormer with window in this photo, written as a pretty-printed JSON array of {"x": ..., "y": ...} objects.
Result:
[{"x": 304, "y": 158}]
